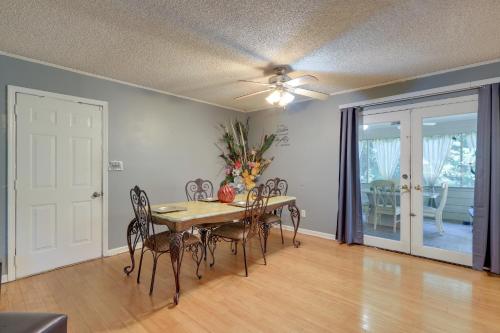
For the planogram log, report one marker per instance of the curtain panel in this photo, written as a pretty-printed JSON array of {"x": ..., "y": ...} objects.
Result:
[
  {"x": 349, "y": 223},
  {"x": 436, "y": 150},
  {"x": 486, "y": 232},
  {"x": 387, "y": 156}
]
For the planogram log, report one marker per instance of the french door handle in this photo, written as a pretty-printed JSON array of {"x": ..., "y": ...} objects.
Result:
[
  {"x": 413, "y": 214},
  {"x": 96, "y": 195},
  {"x": 405, "y": 188},
  {"x": 418, "y": 188}
]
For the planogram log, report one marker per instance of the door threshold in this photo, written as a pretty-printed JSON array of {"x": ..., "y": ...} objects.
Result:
[{"x": 417, "y": 256}]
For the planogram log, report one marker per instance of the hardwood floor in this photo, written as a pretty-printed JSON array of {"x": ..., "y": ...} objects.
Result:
[{"x": 320, "y": 287}]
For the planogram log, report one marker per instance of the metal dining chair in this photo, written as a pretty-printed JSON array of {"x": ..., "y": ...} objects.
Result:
[
  {"x": 247, "y": 228},
  {"x": 277, "y": 187},
  {"x": 196, "y": 190},
  {"x": 158, "y": 243}
]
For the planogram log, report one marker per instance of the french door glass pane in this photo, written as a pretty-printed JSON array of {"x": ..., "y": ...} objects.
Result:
[
  {"x": 448, "y": 170},
  {"x": 379, "y": 155}
]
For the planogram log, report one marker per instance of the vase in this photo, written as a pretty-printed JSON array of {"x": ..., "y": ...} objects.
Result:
[{"x": 226, "y": 194}]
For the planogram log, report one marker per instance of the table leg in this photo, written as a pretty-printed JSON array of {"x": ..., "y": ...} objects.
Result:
[
  {"x": 176, "y": 254},
  {"x": 203, "y": 237},
  {"x": 295, "y": 216},
  {"x": 132, "y": 232}
]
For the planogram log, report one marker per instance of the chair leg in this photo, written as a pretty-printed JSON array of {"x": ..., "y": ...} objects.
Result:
[
  {"x": 263, "y": 249},
  {"x": 245, "y": 257},
  {"x": 439, "y": 223},
  {"x": 265, "y": 233},
  {"x": 281, "y": 230},
  {"x": 235, "y": 250},
  {"x": 140, "y": 267},
  {"x": 212, "y": 243},
  {"x": 203, "y": 237},
  {"x": 155, "y": 261},
  {"x": 198, "y": 255}
]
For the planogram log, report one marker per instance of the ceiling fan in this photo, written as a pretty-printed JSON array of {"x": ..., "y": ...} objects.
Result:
[{"x": 282, "y": 88}]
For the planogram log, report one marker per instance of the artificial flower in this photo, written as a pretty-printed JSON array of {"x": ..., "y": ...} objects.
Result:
[
  {"x": 243, "y": 162},
  {"x": 249, "y": 180}
]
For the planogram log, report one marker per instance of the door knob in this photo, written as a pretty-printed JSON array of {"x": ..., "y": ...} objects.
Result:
[
  {"x": 405, "y": 188},
  {"x": 418, "y": 188},
  {"x": 96, "y": 195}
]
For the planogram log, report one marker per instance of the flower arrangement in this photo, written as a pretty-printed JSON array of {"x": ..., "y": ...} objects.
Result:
[{"x": 243, "y": 164}]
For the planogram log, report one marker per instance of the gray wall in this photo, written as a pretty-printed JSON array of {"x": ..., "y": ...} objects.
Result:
[
  {"x": 163, "y": 140},
  {"x": 310, "y": 162}
]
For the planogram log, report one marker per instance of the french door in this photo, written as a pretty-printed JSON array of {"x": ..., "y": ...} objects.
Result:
[
  {"x": 384, "y": 148},
  {"x": 417, "y": 178}
]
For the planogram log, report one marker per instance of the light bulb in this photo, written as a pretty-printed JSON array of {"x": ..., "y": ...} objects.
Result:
[
  {"x": 274, "y": 97},
  {"x": 286, "y": 98}
]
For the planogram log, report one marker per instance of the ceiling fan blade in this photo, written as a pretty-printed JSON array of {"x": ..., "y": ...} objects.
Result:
[
  {"x": 261, "y": 83},
  {"x": 252, "y": 94},
  {"x": 301, "y": 80},
  {"x": 310, "y": 93}
]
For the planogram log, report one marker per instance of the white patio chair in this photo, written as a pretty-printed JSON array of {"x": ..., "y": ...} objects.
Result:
[{"x": 437, "y": 213}]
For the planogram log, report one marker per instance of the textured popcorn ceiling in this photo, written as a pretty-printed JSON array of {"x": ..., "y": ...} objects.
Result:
[{"x": 200, "y": 49}]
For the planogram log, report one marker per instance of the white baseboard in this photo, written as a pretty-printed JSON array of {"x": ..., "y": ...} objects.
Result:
[
  {"x": 309, "y": 232},
  {"x": 4, "y": 278},
  {"x": 121, "y": 249}
]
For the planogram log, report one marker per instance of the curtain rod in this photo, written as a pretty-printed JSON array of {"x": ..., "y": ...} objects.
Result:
[
  {"x": 420, "y": 96},
  {"x": 423, "y": 93}
]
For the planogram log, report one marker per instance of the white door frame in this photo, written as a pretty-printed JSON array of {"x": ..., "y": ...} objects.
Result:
[
  {"x": 403, "y": 245},
  {"x": 11, "y": 167}
]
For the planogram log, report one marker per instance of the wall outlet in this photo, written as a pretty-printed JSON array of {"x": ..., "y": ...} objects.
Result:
[{"x": 302, "y": 213}]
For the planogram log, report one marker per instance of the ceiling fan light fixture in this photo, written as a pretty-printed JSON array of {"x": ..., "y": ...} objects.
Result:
[
  {"x": 274, "y": 97},
  {"x": 280, "y": 97},
  {"x": 286, "y": 98}
]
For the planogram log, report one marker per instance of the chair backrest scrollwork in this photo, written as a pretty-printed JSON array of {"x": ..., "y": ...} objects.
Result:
[
  {"x": 277, "y": 186},
  {"x": 142, "y": 211},
  {"x": 256, "y": 206},
  {"x": 199, "y": 189}
]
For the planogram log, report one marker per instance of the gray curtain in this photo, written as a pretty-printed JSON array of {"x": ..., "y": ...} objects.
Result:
[
  {"x": 349, "y": 223},
  {"x": 486, "y": 233}
]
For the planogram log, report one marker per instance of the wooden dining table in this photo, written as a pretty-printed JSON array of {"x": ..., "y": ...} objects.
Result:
[{"x": 199, "y": 212}]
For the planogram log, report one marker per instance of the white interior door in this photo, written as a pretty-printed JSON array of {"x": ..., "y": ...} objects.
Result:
[
  {"x": 384, "y": 144},
  {"x": 58, "y": 169},
  {"x": 443, "y": 161}
]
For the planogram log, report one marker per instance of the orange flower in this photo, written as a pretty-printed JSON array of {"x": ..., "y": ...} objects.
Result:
[{"x": 248, "y": 179}]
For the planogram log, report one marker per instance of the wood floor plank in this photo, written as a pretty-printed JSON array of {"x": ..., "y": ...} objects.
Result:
[{"x": 319, "y": 287}]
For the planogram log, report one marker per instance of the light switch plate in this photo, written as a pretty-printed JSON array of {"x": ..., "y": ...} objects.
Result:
[{"x": 115, "y": 166}]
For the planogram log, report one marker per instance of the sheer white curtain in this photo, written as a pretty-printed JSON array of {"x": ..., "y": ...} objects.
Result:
[
  {"x": 471, "y": 140},
  {"x": 436, "y": 149},
  {"x": 387, "y": 156}
]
